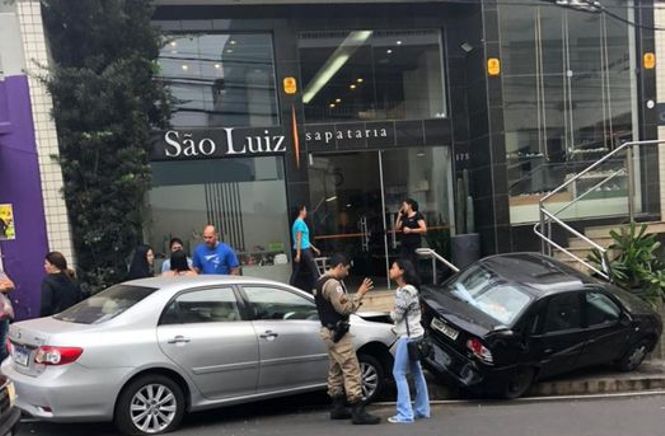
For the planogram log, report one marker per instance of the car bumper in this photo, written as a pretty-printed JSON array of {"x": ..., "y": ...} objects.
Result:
[{"x": 68, "y": 393}]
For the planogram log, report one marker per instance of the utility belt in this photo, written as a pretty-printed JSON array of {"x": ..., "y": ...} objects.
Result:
[{"x": 339, "y": 329}]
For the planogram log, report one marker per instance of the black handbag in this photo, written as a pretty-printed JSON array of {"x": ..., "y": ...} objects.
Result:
[{"x": 420, "y": 348}]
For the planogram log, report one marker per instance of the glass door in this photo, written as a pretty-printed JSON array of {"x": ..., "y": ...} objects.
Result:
[
  {"x": 345, "y": 210},
  {"x": 354, "y": 199}
]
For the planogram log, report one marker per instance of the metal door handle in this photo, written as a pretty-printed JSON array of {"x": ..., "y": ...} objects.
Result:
[
  {"x": 269, "y": 335},
  {"x": 179, "y": 340}
]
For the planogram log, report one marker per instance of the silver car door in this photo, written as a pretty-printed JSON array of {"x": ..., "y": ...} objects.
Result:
[
  {"x": 203, "y": 332},
  {"x": 291, "y": 352}
]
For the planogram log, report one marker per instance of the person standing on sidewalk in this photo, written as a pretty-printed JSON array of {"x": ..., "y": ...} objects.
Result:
[
  {"x": 175, "y": 244},
  {"x": 60, "y": 290},
  {"x": 303, "y": 258},
  {"x": 406, "y": 316},
  {"x": 412, "y": 224},
  {"x": 142, "y": 264},
  {"x": 213, "y": 256},
  {"x": 334, "y": 306}
]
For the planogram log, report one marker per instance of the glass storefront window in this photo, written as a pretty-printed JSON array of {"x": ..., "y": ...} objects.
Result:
[
  {"x": 372, "y": 75},
  {"x": 221, "y": 79},
  {"x": 567, "y": 96},
  {"x": 245, "y": 198}
]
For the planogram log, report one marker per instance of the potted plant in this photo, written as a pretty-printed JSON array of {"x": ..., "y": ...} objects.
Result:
[{"x": 466, "y": 243}]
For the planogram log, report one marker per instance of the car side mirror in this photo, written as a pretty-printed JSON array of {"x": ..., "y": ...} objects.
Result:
[{"x": 625, "y": 319}]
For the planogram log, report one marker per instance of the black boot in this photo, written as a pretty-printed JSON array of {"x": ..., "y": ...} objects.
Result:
[
  {"x": 339, "y": 409},
  {"x": 359, "y": 415}
]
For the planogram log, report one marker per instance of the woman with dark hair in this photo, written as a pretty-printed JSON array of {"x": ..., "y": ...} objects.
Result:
[
  {"x": 412, "y": 225},
  {"x": 59, "y": 288},
  {"x": 406, "y": 316},
  {"x": 179, "y": 265},
  {"x": 303, "y": 257},
  {"x": 141, "y": 266}
]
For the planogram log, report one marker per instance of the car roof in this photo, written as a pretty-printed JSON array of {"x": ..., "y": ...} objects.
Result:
[
  {"x": 185, "y": 282},
  {"x": 540, "y": 275}
]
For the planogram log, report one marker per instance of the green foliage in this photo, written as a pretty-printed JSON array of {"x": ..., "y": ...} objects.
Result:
[
  {"x": 106, "y": 103},
  {"x": 633, "y": 263}
]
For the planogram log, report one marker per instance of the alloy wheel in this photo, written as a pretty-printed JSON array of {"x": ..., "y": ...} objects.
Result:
[
  {"x": 637, "y": 356},
  {"x": 369, "y": 379},
  {"x": 153, "y": 408}
]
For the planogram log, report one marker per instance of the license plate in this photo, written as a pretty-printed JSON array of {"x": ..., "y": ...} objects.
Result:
[
  {"x": 444, "y": 328},
  {"x": 21, "y": 355}
]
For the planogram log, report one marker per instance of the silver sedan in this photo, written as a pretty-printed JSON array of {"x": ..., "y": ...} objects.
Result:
[{"x": 144, "y": 352}]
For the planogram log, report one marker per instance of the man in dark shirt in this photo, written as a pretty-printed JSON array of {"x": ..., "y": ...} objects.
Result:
[{"x": 412, "y": 225}]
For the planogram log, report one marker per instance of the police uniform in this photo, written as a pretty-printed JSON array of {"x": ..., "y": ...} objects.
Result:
[{"x": 335, "y": 304}]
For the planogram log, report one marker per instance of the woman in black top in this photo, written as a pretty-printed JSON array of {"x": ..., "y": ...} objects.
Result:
[
  {"x": 412, "y": 225},
  {"x": 142, "y": 262},
  {"x": 59, "y": 288}
]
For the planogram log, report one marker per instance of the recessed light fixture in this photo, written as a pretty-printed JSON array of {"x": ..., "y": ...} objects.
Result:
[
  {"x": 218, "y": 66},
  {"x": 173, "y": 43},
  {"x": 338, "y": 100},
  {"x": 360, "y": 80},
  {"x": 352, "y": 86},
  {"x": 233, "y": 42},
  {"x": 332, "y": 105},
  {"x": 420, "y": 154},
  {"x": 229, "y": 50},
  {"x": 389, "y": 51},
  {"x": 185, "y": 67},
  {"x": 399, "y": 43}
]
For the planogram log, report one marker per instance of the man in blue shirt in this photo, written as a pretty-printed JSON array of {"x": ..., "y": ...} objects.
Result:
[
  {"x": 214, "y": 257},
  {"x": 303, "y": 257}
]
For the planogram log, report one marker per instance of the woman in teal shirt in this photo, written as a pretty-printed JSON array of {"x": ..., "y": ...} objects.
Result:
[{"x": 303, "y": 248}]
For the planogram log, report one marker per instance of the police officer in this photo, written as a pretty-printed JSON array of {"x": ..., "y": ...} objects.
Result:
[{"x": 335, "y": 305}]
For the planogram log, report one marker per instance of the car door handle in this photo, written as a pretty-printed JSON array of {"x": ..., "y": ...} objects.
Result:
[
  {"x": 269, "y": 335},
  {"x": 179, "y": 340}
]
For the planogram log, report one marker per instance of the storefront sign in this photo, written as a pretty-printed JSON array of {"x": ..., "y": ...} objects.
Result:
[
  {"x": 7, "y": 227},
  {"x": 219, "y": 143}
]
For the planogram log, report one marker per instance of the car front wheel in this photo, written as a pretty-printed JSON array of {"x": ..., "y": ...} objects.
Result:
[
  {"x": 634, "y": 356},
  {"x": 150, "y": 405},
  {"x": 372, "y": 377},
  {"x": 518, "y": 383}
]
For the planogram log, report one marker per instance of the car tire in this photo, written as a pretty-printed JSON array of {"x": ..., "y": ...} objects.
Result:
[
  {"x": 158, "y": 419},
  {"x": 634, "y": 356},
  {"x": 373, "y": 378},
  {"x": 518, "y": 383}
]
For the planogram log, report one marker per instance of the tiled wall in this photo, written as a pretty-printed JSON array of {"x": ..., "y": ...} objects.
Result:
[{"x": 34, "y": 45}]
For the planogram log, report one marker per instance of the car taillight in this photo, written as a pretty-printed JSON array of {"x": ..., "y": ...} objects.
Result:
[
  {"x": 479, "y": 350},
  {"x": 47, "y": 355}
]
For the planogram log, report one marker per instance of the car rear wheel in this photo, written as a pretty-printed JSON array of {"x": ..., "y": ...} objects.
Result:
[
  {"x": 150, "y": 405},
  {"x": 518, "y": 383},
  {"x": 634, "y": 356},
  {"x": 372, "y": 377}
]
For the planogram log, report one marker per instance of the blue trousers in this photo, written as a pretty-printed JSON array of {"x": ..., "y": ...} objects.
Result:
[{"x": 403, "y": 365}]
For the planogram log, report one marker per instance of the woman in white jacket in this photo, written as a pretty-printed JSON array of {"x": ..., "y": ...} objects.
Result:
[{"x": 406, "y": 316}]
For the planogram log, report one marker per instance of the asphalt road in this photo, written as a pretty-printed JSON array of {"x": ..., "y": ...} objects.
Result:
[{"x": 307, "y": 416}]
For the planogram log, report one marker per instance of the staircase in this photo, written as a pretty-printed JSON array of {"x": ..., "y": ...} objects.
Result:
[{"x": 601, "y": 236}]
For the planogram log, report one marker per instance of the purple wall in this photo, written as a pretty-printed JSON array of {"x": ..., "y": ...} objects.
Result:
[{"x": 20, "y": 185}]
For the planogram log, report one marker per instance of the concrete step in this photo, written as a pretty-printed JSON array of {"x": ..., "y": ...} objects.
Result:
[{"x": 654, "y": 227}]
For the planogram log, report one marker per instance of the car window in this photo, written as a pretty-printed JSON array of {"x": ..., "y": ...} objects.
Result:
[
  {"x": 563, "y": 313},
  {"x": 273, "y": 303},
  {"x": 481, "y": 288},
  {"x": 105, "y": 305},
  {"x": 206, "y": 305},
  {"x": 600, "y": 309}
]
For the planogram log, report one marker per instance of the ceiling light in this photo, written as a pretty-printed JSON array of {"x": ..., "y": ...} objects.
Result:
[
  {"x": 399, "y": 42},
  {"x": 173, "y": 43},
  {"x": 329, "y": 199},
  {"x": 185, "y": 67},
  {"x": 218, "y": 66},
  {"x": 338, "y": 100},
  {"x": 233, "y": 42},
  {"x": 352, "y": 86},
  {"x": 389, "y": 51},
  {"x": 229, "y": 50},
  {"x": 332, "y": 105},
  {"x": 360, "y": 80},
  {"x": 336, "y": 61}
]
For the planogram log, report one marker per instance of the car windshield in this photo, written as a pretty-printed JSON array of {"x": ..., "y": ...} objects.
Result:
[
  {"x": 484, "y": 290},
  {"x": 105, "y": 305}
]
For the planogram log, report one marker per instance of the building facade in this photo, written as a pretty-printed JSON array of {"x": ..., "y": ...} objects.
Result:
[{"x": 474, "y": 109}]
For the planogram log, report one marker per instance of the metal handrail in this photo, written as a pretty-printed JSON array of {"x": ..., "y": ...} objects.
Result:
[
  {"x": 430, "y": 253},
  {"x": 547, "y": 217}
]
